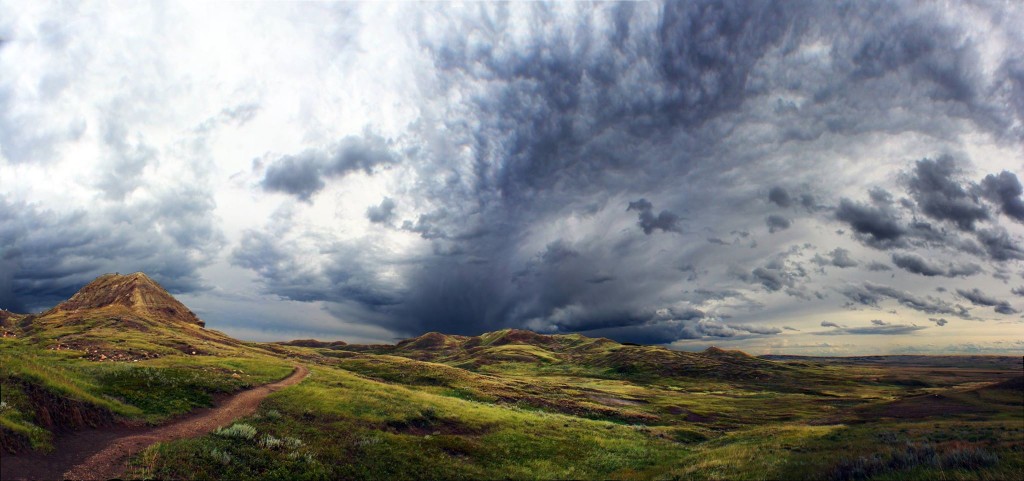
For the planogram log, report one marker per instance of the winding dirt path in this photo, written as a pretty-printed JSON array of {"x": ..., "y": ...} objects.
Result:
[{"x": 108, "y": 453}]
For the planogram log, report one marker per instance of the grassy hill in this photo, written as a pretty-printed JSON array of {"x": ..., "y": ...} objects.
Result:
[
  {"x": 121, "y": 350},
  {"x": 511, "y": 349},
  {"x": 509, "y": 404}
]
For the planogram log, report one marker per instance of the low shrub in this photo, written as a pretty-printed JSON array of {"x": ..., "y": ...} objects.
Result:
[{"x": 237, "y": 431}]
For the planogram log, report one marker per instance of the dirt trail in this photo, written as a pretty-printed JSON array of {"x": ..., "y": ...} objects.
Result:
[{"x": 104, "y": 458}]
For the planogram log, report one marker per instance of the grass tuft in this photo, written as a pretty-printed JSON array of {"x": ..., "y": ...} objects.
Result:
[{"x": 237, "y": 431}]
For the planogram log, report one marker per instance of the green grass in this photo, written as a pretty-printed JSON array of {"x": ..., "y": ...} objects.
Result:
[
  {"x": 359, "y": 428},
  {"x": 492, "y": 407},
  {"x": 151, "y": 390},
  {"x": 367, "y": 416}
]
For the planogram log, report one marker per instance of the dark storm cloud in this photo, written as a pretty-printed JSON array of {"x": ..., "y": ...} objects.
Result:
[
  {"x": 664, "y": 221},
  {"x": 305, "y": 174},
  {"x": 1005, "y": 190},
  {"x": 299, "y": 175},
  {"x": 535, "y": 122},
  {"x": 830, "y": 324},
  {"x": 1018, "y": 291},
  {"x": 667, "y": 331},
  {"x": 772, "y": 279},
  {"x": 780, "y": 197},
  {"x": 640, "y": 102},
  {"x": 871, "y": 294},
  {"x": 875, "y": 226},
  {"x": 940, "y": 193},
  {"x": 979, "y": 298},
  {"x": 383, "y": 213},
  {"x": 878, "y": 266},
  {"x": 939, "y": 321},
  {"x": 777, "y": 223},
  {"x": 47, "y": 256},
  {"x": 999, "y": 245},
  {"x": 918, "y": 265}
]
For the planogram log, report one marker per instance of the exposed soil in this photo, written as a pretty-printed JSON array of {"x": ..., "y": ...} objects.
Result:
[
  {"x": 613, "y": 401},
  {"x": 102, "y": 453},
  {"x": 698, "y": 418}
]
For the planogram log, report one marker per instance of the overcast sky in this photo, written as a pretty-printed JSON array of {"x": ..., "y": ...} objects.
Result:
[{"x": 786, "y": 177}]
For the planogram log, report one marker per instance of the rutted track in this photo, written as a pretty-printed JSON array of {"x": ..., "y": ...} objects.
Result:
[{"x": 80, "y": 460}]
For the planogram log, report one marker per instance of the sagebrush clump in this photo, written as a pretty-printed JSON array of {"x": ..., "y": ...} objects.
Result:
[{"x": 237, "y": 431}]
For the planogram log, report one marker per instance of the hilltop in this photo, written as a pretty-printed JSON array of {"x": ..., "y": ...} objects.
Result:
[
  {"x": 124, "y": 317},
  {"x": 120, "y": 350},
  {"x": 137, "y": 293}
]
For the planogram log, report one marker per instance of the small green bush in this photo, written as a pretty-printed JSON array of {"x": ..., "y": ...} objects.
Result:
[
  {"x": 237, "y": 431},
  {"x": 270, "y": 442}
]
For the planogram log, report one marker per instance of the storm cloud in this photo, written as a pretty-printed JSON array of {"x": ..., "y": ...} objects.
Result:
[
  {"x": 878, "y": 227},
  {"x": 871, "y": 294},
  {"x": 918, "y": 265},
  {"x": 940, "y": 321},
  {"x": 653, "y": 172},
  {"x": 940, "y": 194},
  {"x": 780, "y": 197},
  {"x": 777, "y": 223},
  {"x": 664, "y": 221},
  {"x": 1005, "y": 190},
  {"x": 979, "y": 298},
  {"x": 305, "y": 174},
  {"x": 49, "y": 255},
  {"x": 383, "y": 213}
]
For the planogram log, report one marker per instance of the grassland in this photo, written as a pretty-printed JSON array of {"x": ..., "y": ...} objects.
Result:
[
  {"x": 522, "y": 411},
  {"x": 504, "y": 405},
  {"x": 123, "y": 351},
  {"x": 46, "y": 392}
]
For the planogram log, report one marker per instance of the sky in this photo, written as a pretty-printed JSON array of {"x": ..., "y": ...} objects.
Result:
[{"x": 795, "y": 177}]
